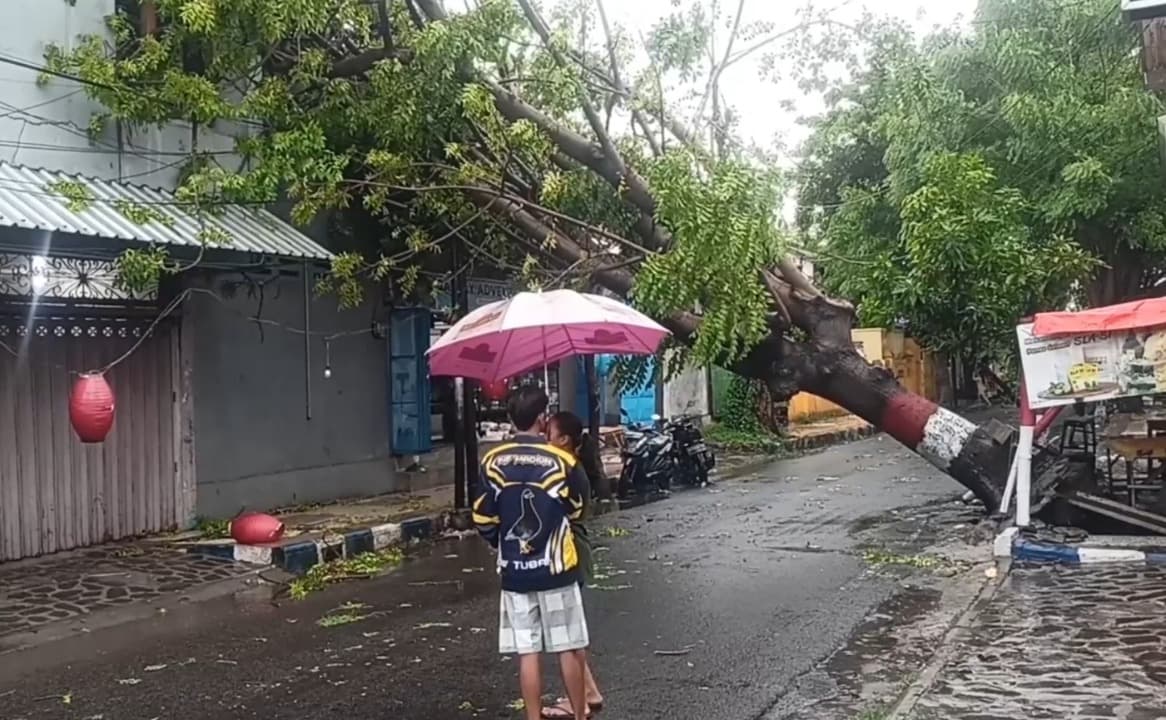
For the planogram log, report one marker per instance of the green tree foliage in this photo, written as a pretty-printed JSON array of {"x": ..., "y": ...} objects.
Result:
[
  {"x": 544, "y": 138},
  {"x": 975, "y": 176}
]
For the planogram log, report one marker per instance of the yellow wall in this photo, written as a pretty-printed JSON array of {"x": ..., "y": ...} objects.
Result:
[{"x": 914, "y": 367}]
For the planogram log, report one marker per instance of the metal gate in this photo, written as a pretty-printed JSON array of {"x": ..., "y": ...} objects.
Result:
[{"x": 57, "y": 493}]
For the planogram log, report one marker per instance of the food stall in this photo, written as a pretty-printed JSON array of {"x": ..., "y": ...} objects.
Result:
[
  {"x": 493, "y": 422},
  {"x": 1109, "y": 365}
]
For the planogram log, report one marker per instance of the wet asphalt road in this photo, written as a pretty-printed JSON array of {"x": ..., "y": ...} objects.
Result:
[{"x": 714, "y": 602}]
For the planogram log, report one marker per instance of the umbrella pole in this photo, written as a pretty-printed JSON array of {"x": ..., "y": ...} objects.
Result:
[
  {"x": 460, "y": 485},
  {"x": 546, "y": 367}
]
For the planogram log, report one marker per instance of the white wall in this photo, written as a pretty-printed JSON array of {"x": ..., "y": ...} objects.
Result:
[
  {"x": 687, "y": 394},
  {"x": 46, "y": 126}
]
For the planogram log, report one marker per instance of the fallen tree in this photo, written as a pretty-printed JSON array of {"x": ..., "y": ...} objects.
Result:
[{"x": 494, "y": 127}]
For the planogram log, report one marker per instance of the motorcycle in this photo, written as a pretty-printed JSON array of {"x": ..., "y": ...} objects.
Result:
[
  {"x": 648, "y": 460},
  {"x": 693, "y": 457},
  {"x": 664, "y": 452}
]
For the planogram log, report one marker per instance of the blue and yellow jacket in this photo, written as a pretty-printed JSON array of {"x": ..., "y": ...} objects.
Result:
[{"x": 529, "y": 493}]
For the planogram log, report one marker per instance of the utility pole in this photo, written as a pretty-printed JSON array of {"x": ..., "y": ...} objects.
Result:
[
  {"x": 469, "y": 417},
  {"x": 457, "y": 398}
]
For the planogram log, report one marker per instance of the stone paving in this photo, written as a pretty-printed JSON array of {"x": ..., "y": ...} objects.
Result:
[
  {"x": 70, "y": 585},
  {"x": 1071, "y": 643}
]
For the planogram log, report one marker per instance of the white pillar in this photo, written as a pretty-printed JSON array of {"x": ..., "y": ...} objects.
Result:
[
  {"x": 1011, "y": 484},
  {"x": 1024, "y": 476}
]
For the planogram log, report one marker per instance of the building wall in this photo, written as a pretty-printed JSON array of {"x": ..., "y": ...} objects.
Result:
[
  {"x": 47, "y": 126},
  {"x": 255, "y": 446},
  {"x": 687, "y": 394}
]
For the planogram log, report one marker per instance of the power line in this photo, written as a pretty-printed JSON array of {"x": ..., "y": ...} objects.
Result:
[
  {"x": 173, "y": 305},
  {"x": 43, "y": 69},
  {"x": 119, "y": 201},
  {"x": 143, "y": 153},
  {"x": 74, "y": 129},
  {"x": 50, "y": 101}
]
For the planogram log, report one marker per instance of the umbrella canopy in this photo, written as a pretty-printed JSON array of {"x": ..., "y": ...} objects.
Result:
[{"x": 529, "y": 330}]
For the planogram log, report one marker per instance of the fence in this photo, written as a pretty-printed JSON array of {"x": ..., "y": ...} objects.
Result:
[{"x": 915, "y": 368}]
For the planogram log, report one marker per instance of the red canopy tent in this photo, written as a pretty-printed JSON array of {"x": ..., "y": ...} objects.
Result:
[{"x": 1126, "y": 316}]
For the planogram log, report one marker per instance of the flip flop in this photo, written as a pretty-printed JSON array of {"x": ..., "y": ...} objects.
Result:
[
  {"x": 558, "y": 712},
  {"x": 593, "y": 707}
]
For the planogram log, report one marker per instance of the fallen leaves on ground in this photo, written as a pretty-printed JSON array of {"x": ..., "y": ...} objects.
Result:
[
  {"x": 363, "y": 566},
  {"x": 884, "y": 558},
  {"x": 346, "y": 614}
]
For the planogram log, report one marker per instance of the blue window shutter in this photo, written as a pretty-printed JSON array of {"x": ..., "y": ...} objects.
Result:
[{"x": 409, "y": 392}]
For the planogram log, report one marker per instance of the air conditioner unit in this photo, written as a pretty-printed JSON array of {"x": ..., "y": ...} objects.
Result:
[{"x": 1137, "y": 10}]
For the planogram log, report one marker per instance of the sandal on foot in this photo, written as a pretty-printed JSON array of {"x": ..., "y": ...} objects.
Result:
[
  {"x": 594, "y": 707},
  {"x": 560, "y": 712}
]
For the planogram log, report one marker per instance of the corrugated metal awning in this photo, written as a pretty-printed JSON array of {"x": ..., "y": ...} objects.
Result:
[{"x": 37, "y": 199}]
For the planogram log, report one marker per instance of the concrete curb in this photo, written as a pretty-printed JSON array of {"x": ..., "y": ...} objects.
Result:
[
  {"x": 1011, "y": 544},
  {"x": 837, "y": 437},
  {"x": 1055, "y": 553},
  {"x": 930, "y": 672},
  {"x": 299, "y": 554}
]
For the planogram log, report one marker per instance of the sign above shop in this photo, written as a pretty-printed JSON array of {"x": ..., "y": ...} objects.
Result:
[{"x": 1063, "y": 369}]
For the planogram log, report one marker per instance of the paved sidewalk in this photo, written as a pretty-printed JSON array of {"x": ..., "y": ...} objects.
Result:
[
  {"x": 1063, "y": 643},
  {"x": 71, "y": 585}
]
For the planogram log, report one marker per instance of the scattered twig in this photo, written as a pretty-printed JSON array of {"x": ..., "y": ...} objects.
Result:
[{"x": 671, "y": 653}]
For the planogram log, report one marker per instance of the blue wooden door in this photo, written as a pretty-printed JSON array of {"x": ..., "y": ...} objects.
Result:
[
  {"x": 409, "y": 415},
  {"x": 639, "y": 403}
]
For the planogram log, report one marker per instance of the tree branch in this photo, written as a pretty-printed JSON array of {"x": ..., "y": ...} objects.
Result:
[
  {"x": 362, "y": 63},
  {"x": 715, "y": 75},
  {"x": 611, "y": 154},
  {"x": 500, "y": 193}
]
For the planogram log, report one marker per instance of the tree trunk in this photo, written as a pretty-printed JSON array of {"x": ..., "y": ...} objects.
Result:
[
  {"x": 953, "y": 444},
  {"x": 1125, "y": 268},
  {"x": 1113, "y": 284},
  {"x": 826, "y": 364}
]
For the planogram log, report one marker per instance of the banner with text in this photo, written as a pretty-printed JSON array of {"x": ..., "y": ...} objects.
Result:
[{"x": 1063, "y": 369}]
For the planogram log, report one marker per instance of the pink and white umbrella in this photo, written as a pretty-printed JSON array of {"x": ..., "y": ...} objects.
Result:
[{"x": 506, "y": 338}]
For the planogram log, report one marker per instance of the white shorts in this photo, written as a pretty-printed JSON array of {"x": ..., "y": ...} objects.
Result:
[{"x": 550, "y": 621}]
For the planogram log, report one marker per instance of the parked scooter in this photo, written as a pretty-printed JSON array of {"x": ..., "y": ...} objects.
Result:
[
  {"x": 648, "y": 461},
  {"x": 693, "y": 457},
  {"x": 663, "y": 453}
]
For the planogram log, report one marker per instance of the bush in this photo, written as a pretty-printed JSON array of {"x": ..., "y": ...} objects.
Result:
[
  {"x": 740, "y": 409},
  {"x": 750, "y": 441}
]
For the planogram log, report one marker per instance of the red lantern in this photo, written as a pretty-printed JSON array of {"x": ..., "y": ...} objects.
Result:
[
  {"x": 256, "y": 529},
  {"x": 496, "y": 391},
  {"x": 91, "y": 408}
]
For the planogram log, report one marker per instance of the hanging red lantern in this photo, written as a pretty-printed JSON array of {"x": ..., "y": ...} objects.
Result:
[
  {"x": 496, "y": 391},
  {"x": 91, "y": 407},
  {"x": 256, "y": 529}
]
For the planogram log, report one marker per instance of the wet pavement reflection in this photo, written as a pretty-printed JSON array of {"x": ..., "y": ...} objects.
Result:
[
  {"x": 1072, "y": 643},
  {"x": 719, "y": 603}
]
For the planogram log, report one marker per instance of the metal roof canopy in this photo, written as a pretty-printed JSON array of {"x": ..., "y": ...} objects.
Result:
[
  {"x": 30, "y": 200},
  {"x": 1134, "y": 10}
]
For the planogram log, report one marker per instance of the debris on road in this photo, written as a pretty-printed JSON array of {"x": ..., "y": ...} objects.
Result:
[{"x": 362, "y": 567}]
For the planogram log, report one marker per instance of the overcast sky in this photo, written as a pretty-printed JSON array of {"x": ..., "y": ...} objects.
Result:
[{"x": 758, "y": 101}]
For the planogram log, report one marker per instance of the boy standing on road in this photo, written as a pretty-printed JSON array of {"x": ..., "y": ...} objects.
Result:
[{"x": 529, "y": 493}]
